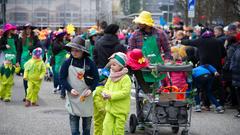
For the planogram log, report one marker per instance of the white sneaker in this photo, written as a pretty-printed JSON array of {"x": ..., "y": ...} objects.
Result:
[
  {"x": 197, "y": 108},
  {"x": 55, "y": 90},
  {"x": 220, "y": 109}
]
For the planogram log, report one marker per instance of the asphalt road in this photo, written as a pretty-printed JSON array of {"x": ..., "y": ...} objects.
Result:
[{"x": 51, "y": 118}]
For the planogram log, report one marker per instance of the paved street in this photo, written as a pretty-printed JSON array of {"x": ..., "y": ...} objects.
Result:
[{"x": 50, "y": 118}]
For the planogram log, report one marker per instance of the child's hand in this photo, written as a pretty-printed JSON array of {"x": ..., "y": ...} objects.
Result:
[
  {"x": 87, "y": 93},
  {"x": 216, "y": 74},
  {"x": 74, "y": 92},
  {"x": 8, "y": 46},
  {"x": 106, "y": 96},
  {"x": 17, "y": 64}
]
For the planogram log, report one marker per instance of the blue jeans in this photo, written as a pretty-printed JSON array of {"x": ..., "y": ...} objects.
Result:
[
  {"x": 74, "y": 125},
  {"x": 204, "y": 83}
]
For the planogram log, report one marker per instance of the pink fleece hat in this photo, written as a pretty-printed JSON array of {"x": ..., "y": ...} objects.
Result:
[
  {"x": 8, "y": 27},
  {"x": 121, "y": 36}
]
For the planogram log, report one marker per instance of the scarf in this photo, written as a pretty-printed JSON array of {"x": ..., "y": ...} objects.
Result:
[{"x": 116, "y": 76}]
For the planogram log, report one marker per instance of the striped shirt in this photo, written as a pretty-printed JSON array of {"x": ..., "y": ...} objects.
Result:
[{"x": 136, "y": 41}]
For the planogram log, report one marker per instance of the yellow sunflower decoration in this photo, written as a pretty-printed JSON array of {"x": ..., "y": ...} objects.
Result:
[{"x": 70, "y": 29}]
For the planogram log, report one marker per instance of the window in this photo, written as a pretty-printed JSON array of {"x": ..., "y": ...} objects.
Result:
[{"x": 21, "y": 16}]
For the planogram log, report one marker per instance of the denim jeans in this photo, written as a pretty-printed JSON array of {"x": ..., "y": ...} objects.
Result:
[
  {"x": 237, "y": 91},
  {"x": 204, "y": 83},
  {"x": 74, "y": 125}
]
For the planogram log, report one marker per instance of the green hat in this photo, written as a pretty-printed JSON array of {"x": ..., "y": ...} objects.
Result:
[
  {"x": 120, "y": 58},
  {"x": 9, "y": 57}
]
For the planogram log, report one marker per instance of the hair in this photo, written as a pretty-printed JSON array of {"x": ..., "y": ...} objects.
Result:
[
  {"x": 219, "y": 28},
  {"x": 103, "y": 25},
  {"x": 24, "y": 36},
  {"x": 180, "y": 33}
]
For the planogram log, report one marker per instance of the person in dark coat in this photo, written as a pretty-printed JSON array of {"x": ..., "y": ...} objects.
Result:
[
  {"x": 107, "y": 45},
  {"x": 211, "y": 51},
  {"x": 235, "y": 68},
  {"x": 219, "y": 34}
]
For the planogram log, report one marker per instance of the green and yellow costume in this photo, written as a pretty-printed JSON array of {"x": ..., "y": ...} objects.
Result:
[{"x": 34, "y": 71}]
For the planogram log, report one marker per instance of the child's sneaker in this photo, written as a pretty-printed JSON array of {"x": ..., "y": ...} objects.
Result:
[
  {"x": 55, "y": 90},
  {"x": 35, "y": 104},
  {"x": 6, "y": 100},
  {"x": 237, "y": 115},
  {"x": 198, "y": 108},
  {"x": 220, "y": 109},
  {"x": 27, "y": 103}
]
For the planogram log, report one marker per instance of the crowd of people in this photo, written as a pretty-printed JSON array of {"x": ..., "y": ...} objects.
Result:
[{"x": 92, "y": 71}]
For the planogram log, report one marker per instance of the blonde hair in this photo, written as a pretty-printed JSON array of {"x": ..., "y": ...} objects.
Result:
[{"x": 178, "y": 52}]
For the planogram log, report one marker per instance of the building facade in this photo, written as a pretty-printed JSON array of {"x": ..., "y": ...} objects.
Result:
[
  {"x": 58, "y": 13},
  {"x": 158, "y": 8}
]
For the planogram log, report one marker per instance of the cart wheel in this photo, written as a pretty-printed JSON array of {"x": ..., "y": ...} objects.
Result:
[
  {"x": 184, "y": 132},
  {"x": 175, "y": 130},
  {"x": 133, "y": 123}
]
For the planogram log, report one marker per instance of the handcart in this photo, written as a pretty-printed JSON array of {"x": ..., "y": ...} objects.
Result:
[{"x": 163, "y": 109}]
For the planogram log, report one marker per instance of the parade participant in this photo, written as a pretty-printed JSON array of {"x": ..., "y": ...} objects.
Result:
[
  {"x": 9, "y": 41},
  {"x": 99, "y": 103},
  {"x": 79, "y": 77},
  {"x": 92, "y": 38},
  {"x": 34, "y": 71},
  {"x": 6, "y": 76},
  {"x": 179, "y": 78},
  {"x": 28, "y": 41},
  {"x": 202, "y": 75},
  {"x": 107, "y": 45},
  {"x": 151, "y": 41},
  {"x": 235, "y": 68},
  {"x": 59, "y": 55},
  {"x": 117, "y": 93}
]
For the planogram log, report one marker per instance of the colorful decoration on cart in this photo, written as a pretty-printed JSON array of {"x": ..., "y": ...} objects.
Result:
[
  {"x": 176, "y": 90},
  {"x": 136, "y": 60}
]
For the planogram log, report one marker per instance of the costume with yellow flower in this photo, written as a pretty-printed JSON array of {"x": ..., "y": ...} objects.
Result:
[{"x": 7, "y": 71}]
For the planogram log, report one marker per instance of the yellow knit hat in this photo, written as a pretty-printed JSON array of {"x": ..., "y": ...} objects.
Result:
[{"x": 144, "y": 17}]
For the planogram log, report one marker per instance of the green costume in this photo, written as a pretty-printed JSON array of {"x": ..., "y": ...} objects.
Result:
[
  {"x": 118, "y": 107},
  {"x": 34, "y": 71},
  {"x": 91, "y": 48},
  {"x": 59, "y": 59},
  {"x": 25, "y": 56},
  {"x": 6, "y": 83},
  {"x": 150, "y": 50},
  {"x": 12, "y": 49},
  {"x": 99, "y": 110}
]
